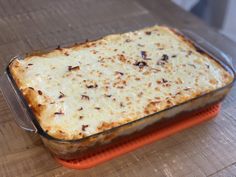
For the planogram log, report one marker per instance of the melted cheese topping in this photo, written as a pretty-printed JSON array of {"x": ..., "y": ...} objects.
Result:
[{"x": 82, "y": 90}]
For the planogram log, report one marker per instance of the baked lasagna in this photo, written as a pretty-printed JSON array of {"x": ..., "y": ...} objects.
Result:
[{"x": 85, "y": 89}]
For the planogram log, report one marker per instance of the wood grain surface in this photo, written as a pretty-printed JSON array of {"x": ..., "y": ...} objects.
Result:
[{"x": 27, "y": 25}]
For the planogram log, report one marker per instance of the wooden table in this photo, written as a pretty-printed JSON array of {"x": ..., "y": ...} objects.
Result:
[{"x": 26, "y": 25}]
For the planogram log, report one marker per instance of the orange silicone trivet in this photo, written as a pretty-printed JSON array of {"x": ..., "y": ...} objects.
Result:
[{"x": 126, "y": 147}]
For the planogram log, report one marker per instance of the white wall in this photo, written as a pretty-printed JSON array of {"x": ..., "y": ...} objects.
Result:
[
  {"x": 186, "y": 4},
  {"x": 229, "y": 27}
]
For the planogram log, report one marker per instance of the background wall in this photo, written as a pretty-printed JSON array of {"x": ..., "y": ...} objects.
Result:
[
  {"x": 229, "y": 26},
  {"x": 220, "y": 14}
]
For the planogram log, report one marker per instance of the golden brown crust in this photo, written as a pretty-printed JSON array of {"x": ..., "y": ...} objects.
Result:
[
  {"x": 29, "y": 93},
  {"x": 31, "y": 97},
  {"x": 16, "y": 71}
]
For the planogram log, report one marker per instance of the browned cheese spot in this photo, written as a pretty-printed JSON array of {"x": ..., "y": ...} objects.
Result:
[
  {"x": 120, "y": 73},
  {"x": 61, "y": 95},
  {"x": 92, "y": 86},
  {"x": 59, "y": 113},
  {"x": 122, "y": 58},
  {"x": 128, "y": 40},
  {"x": 121, "y": 104},
  {"x": 85, "y": 97},
  {"x": 40, "y": 92},
  {"x": 140, "y": 64},
  {"x": 80, "y": 109},
  {"x": 107, "y": 95},
  {"x": 84, "y": 127},
  {"x": 192, "y": 65},
  {"x": 66, "y": 53},
  {"x": 151, "y": 107},
  {"x": 141, "y": 45},
  {"x": 70, "y": 68},
  {"x": 148, "y": 32}
]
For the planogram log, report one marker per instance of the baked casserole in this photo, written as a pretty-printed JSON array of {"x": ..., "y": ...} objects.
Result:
[{"x": 82, "y": 90}]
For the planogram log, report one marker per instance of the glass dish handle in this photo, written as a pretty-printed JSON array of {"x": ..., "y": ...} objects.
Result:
[
  {"x": 14, "y": 102},
  {"x": 209, "y": 48}
]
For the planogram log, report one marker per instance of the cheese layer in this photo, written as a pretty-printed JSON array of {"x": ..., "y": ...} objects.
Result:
[{"x": 88, "y": 88}]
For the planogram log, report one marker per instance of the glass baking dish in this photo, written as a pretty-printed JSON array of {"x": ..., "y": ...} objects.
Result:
[{"x": 81, "y": 148}]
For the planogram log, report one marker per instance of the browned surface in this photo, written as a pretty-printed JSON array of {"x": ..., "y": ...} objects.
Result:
[
  {"x": 206, "y": 150},
  {"x": 39, "y": 102}
]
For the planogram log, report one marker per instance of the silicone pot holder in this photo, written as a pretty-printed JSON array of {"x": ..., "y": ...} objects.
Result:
[{"x": 136, "y": 143}]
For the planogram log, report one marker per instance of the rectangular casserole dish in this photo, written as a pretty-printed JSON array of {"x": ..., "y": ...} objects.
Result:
[{"x": 85, "y": 146}]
